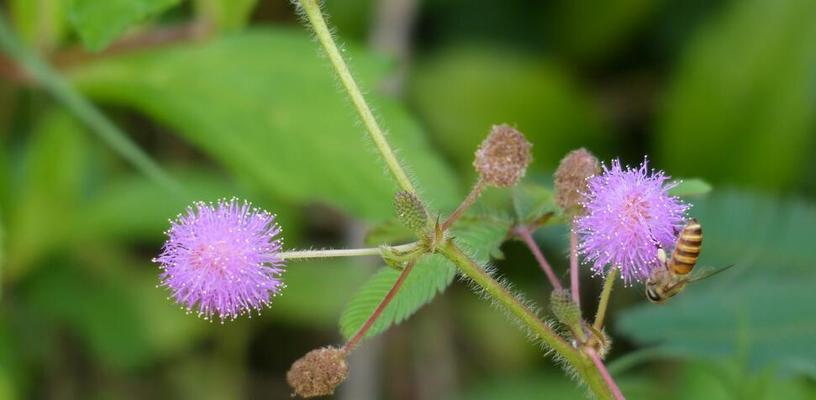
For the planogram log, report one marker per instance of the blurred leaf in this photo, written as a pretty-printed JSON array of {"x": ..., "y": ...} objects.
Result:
[
  {"x": 40, "y": 23},
  {"x": 690, "y": 187},
  {"x": 334, "y": 280},
  {"x": 260, "y": 117},
  {"x": 431, "y": 275},
  {"x": 391, "y": 231},
  {"x": 352, "y": 18},
  {"x": 532, "y": 201},
  {"x": 758, "y": 309},
  {"x": 11, "y": 369},
  {"x": 120, "y": 315},
  {"x": 742, "y": 107},
  {"x": 461, "y": 93},
  {"x": 530, "y": 387},
  {"x": 226, "y": 14},
  {"x": 54, "y": 171},
  {"x": 592, "y": 29},
  {"x": 99, "y": 22}
]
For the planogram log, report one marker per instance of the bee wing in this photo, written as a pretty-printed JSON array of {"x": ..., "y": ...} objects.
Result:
[{"x": 701, "y": 273}]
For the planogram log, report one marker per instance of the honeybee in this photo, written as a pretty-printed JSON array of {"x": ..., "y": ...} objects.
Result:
[{"x": 666, "y": 282}]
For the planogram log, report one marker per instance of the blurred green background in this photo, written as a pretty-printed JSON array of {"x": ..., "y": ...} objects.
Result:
[{"x": 233, "y": 98}]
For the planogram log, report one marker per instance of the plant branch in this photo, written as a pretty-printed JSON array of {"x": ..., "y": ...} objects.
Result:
[
  {"x": 83, "y": 109},
  {"x": 329, "y": 253},
  {"x": 361, "y": 333},
  {"x": 524, "y": 233},
  {"x": 466, "y": 203},
  {"x": 576, "y": 293},
  {"x": 321, "y": 30},
  {"x": 610, "y": 382},
  {"x": 602, "y": 305},
  {"x": 528, "y": 318}
]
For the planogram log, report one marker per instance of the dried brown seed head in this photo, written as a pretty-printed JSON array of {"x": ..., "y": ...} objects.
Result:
[
  {"x": 318, "y": 373},
  {"x": 503, "y": 157},
  {"x": 571, "y": 178}
]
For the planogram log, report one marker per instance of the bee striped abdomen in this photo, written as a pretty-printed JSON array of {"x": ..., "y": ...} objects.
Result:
[{"x": 687, "y": 249}]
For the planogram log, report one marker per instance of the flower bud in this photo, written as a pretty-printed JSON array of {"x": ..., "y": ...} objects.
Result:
[
  {"x": 410, "y": 211},
  {"x": 571, "y": 178},
  {"x": 503, "y": 157},
  {"x": 564, "y": 309},
  {"x": 318, "y": 373}
]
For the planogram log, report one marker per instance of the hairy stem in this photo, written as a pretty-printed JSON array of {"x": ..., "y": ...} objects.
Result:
[
  {"x": 524, "y": 233},
  {"x": 576, "y": 293},
  {"x": 361, "y": 333},
  {"x": 321, "y": 30},
  {"x": 602, "y": 305},
  {"x": 81, "y": 108},
  {"x": 610, "y": 383},
  {"x": 329, "y": 253},
  {"x": 528, "y": 318},
  {"x": 466, "y": 203}
]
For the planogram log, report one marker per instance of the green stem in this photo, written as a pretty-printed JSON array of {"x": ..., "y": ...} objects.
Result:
[
  {"x": 602, "y": 305},
  {"x": 582, "y": 364},
  {"x": 469, "y": 200},
  {"x": 330, "y": 253},
  {"x": 321, "y": 30},
  {"x": 83, "y": 109}
]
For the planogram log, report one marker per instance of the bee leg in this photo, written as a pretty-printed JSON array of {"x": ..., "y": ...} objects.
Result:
[{"x": 661, "y": 255}]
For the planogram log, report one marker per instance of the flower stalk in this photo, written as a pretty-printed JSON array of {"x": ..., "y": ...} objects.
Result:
[
  {"x": 315, "y": 17},
  {"x": 526, "y": 236},
  {"x": 330, "y": 253},
  {"x": 469, "y": 200},
  {"x": 574, "y": 278},
  {"x": 604, "y": 303}
]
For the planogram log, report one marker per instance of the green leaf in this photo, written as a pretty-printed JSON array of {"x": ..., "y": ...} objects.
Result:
[
  {"x": 758, "y": 310},
  {"x": 462, "y": 92},
  {"x": 533, "y": 201},
  {"x": 41, "y": 23},
  {"x": 388, "y": 232},
  {"x": 741, "y": 110},
  {"x": 275, "y": 117},
  {"x": 99, "y": 22},
  {"x": 431, "y": 275},
  {"x": 690, "y": 187},
  {"x": 226, "y": 14}
]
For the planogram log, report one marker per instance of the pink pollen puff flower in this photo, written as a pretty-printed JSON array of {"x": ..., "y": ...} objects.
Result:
[
  {"x": 629, "y": 215},
  {"x": 222, "y": 259}
]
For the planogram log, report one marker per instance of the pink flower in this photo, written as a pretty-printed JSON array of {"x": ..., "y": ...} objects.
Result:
[
  {"x": 629, "y": 215},
  {"x": 222, "y": 259}
]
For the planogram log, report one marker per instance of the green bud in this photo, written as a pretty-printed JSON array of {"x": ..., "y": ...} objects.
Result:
[
  {"x": 410, "y": 211},
  {"x": 564, "y": 308}
]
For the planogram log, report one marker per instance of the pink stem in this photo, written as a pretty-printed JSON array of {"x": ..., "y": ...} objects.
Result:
[
  {"x": 525, "y": 235},
  {"x": 605, "y": 374},
  {"x": 576, "y": 294}
]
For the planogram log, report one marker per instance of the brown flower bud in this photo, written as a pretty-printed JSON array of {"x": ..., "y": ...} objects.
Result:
[
  {"x": 503, "y": 156},
  {"x": 318, "y": 373},
  {"x": 571, "y": 177}
]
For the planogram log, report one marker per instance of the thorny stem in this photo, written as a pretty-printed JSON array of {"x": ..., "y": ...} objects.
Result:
[
  {"x": 373, "y": 251},
  {"x": 321, "y": 30},
  {"x": 576, "y": 294},
  {"x": 83, "y": 109},
  {"x": 361, "y": 333},
  {"x": 527, "y": 317},
  {"x": 466, "y": 203},
  {"x": 602, "y": 305},
  {"x": 524, "y": 233},
  {"x": 610, "y": 382}
]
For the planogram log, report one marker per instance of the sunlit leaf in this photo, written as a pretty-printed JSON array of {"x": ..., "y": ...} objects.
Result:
[
  {"x": 99, "y": 22},
  {"x": 274, "y": 116}
]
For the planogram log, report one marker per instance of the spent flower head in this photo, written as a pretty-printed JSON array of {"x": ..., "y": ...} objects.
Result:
[
  {"x": 629, "y": 215},
  {"x": 222, "y": 259},
  {"x": 502, "y": 158}
]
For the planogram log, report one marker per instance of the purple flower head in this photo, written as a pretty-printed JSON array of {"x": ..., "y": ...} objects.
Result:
[
  {"x": 629, "y": 214},
  {"x": 222, "y": 259}
]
